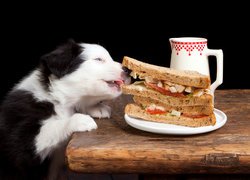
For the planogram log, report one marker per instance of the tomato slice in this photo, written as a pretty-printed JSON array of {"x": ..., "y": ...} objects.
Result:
[
  {"x": 164, "y": 91},
  {"x": 155, "y": 111}
]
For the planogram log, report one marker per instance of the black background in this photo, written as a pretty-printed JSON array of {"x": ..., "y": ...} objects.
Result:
[{"x": 140, "y": 31}]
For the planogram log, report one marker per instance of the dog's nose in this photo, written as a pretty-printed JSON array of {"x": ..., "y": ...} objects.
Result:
[
  {"x": 126, "y": 75},
  {"x": 126, "y": 70}
]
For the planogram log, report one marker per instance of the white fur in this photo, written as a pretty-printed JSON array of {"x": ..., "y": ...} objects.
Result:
[
  {"x": 99, "y": 111},
  {"x": 31, "y": 84},
  {"x": 82, "y": 90}
]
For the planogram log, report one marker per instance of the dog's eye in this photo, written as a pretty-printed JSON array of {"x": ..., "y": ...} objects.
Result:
[{"x": 99, "y": 59}]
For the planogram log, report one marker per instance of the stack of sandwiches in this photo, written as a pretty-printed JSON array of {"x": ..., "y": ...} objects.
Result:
[{"x": 169, "y": 96}]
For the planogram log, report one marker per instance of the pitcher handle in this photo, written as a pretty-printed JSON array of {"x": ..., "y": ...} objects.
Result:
[{"x": 219, "y": 72}]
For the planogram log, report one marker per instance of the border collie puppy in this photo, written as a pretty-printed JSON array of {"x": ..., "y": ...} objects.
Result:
[{"x": 61, "y": 96}]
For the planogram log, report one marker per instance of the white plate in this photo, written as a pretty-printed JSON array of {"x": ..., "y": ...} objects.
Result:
[{"x": 163, "y": 128}]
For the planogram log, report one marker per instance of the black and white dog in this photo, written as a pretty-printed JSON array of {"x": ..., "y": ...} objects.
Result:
[{"x": 58, "y": 98}]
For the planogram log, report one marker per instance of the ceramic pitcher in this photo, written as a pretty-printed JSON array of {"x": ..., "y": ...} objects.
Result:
[{"x": 191, "y": 53}]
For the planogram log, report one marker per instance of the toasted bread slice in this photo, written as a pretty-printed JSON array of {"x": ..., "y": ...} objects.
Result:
[
  {"x": 192, "y": 110},
  {"x": 187, "y": 78},
  {"x": 141, "y": 90},
  {"x": 136, "y": 111}
]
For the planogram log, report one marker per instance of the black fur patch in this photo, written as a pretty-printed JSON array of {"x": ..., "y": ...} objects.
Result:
[
  {"x": 20, "y": 122},
  {"x": 63, "y": 60}
]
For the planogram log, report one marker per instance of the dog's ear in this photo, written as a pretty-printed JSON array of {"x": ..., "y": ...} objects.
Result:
[{"x": 63, "y": 60}]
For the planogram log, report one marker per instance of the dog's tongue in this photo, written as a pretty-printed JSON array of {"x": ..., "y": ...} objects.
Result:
[{"x": 119, "y": 82}]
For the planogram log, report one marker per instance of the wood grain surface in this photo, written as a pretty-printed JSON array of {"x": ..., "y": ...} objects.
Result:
[{"x": 115, "y": 147}]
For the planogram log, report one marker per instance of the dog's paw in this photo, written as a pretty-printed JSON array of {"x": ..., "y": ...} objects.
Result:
[
  {"x": 99, "y": 111},
  {"x": 82, "y": 122}
]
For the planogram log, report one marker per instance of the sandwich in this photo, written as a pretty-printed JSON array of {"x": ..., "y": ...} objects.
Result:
[{"x": 167, "y": 95}]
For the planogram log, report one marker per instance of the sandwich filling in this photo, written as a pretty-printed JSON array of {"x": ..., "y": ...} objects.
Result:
[
  {"x": 168, "y": 88},
  {"x": 156, "y": 110}
]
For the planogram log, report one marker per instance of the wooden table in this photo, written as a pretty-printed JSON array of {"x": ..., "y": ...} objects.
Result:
[{"x": 115, "y": 147}]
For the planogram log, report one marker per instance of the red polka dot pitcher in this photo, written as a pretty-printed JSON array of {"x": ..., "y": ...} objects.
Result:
[{"x": 191, "y": 53}]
